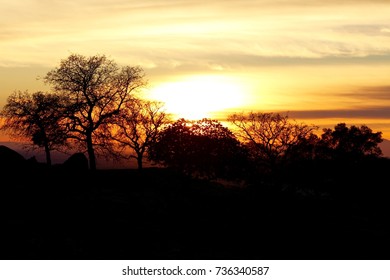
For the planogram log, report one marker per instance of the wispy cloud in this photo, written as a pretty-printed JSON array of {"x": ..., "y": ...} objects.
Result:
[
  {"x": 377, "y": 93},
  {"x": 176, "y": 29},
  {"x": 368, "y": 30},
  {"x": 362, "y": 113}
]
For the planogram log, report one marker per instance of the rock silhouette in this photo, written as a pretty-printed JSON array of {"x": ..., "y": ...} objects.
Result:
[
  {"x": 10, "y": 159},
  {"x": 77, "y": 161}
]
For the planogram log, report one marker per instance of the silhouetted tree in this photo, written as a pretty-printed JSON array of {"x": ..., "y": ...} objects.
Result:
[
  {"x": 96, "y": 89},
  {"x": 137, "y": 126},
  {"x": 35, "y": 117},
  {"x": 205, "y": 148},
  {"x": 304, "y": 149},
  {"x": 269, "y": 136},
  {"x": 353, "y": 142}
]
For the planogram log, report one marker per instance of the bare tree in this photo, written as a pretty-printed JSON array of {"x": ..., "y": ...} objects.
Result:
[
  {"x": 137, "y": 126},
  {"x": 269, "y": 135},
  {"x": 35, "y": 117},
  {"x": 96, "y": 89}
]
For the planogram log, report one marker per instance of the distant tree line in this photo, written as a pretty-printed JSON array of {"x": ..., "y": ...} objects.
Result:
[
  {"x": 260, "y": 144},
  {"x": 95, "y": 109}
]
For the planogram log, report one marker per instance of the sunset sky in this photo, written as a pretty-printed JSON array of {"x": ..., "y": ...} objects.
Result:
[{"x": 324, "y": 62}]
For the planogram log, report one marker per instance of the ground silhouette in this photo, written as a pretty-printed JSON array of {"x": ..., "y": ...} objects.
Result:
[{"x": 338, "y": 212}]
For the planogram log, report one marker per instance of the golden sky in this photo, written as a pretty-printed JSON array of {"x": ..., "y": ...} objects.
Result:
[{"x": 324, "y": 62}]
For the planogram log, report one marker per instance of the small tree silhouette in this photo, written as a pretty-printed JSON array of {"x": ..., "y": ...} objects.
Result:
[
  {"x": 136, "y": 127},
  {"x": 36, "y": 117},
  {"x": 270, "y": 136}
]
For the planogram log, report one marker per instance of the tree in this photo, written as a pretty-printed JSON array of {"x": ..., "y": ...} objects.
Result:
[
  {"x": 304, "y": 149},
  {"x": 205, "y": 148},
  {"x": 137, "y": 126},
  {"x": 96, "y": 89},
  {"x": 349, "y": 142},
  {"x": 36, "y": 117},
  {"x": 269, "y": 136}
]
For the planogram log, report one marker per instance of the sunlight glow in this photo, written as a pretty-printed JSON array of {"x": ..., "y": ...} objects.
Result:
[{"x": 200, "y": 96}]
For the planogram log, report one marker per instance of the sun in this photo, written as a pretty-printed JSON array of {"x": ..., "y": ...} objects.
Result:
[{"x": 199, "y": 97}]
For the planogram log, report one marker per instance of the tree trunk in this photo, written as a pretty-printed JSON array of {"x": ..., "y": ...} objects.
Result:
[
  {"x": 91, "y": 152},
  {"x": 48, "y": 156},
  {"x": 139, "y": 161}
]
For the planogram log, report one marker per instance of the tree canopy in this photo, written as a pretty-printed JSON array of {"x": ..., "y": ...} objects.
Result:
[
  {"x": 137, "y": 127},
  {"x": 205, "y": 148},
  {"x": 269, "y": 136},
  {"x": 36, "y": 117},
  {"x": 352, "y": 142},
  {"x": 96, "y": 89}
]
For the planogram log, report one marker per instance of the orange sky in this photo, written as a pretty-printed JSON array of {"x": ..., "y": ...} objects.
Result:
[{"x": 324, "y": 62}]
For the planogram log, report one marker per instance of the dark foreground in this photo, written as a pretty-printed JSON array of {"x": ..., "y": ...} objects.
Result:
[{"x": 157, "y": 214}]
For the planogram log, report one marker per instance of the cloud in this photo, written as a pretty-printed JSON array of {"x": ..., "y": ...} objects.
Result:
[
  {"x": 377, "y": 93},
  {"x": 358, "y": 113},
  {"x": 364, "y": 29},
  {"x": 180, "y": 29},
  {"x": 238, "y": 61}
]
